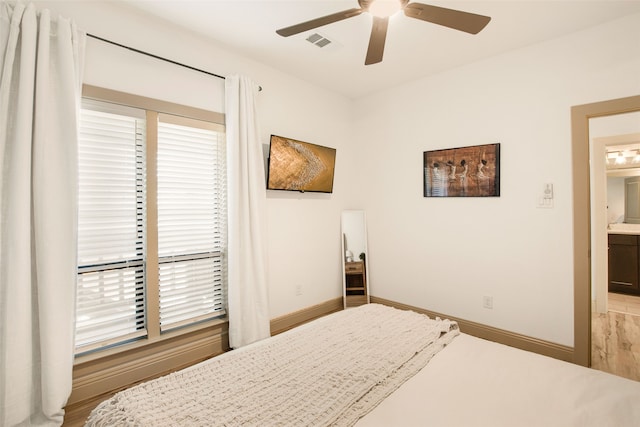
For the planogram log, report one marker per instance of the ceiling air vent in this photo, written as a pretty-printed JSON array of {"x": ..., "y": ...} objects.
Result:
[{"x": 318, "y": 40}]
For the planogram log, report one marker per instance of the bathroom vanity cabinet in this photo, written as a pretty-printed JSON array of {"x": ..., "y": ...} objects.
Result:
[{"x": 624, "y": 263}]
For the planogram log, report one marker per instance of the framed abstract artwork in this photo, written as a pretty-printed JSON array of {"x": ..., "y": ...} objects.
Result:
[{"x": 462, "y": 172}]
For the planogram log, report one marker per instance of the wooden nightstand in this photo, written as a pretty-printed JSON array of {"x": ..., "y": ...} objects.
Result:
[{"x": 355, "y": 283}]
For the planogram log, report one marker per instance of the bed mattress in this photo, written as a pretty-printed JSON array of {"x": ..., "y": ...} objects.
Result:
[{"x": 474, "y": 382}]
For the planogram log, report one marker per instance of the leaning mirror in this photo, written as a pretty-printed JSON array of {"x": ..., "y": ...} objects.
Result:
[{"x": 355, "y": 268}]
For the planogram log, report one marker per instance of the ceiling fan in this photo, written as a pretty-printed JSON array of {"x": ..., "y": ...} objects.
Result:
[{"x": 382, "y": 9}]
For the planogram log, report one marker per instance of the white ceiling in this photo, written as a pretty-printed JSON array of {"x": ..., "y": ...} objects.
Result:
[{"x": 414, "y": 48}]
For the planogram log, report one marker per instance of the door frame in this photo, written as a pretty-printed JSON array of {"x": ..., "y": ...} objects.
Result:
[{"x": 580, "y": 115}]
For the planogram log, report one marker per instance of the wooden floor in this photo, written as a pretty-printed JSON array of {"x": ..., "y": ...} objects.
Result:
[{"x": 615, "y": 337}]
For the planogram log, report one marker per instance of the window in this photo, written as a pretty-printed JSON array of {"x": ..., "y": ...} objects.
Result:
[
  {"x": 190, "y": 233},
  {"x": 151, "y": 224}
]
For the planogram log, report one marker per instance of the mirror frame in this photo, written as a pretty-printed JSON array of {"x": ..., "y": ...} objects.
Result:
[{"x": 343, "y": 256}]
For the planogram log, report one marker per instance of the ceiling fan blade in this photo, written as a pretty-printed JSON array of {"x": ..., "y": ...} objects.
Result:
[
  {"x": 318, "y": 22},
  {"x": 456, "y": 19},
  {"x": 377, "y": 40}
]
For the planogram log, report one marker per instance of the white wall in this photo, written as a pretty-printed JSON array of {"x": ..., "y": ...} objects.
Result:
[
  {"x": 445, "y": 254},
  {"x": 303, "y": 229}
]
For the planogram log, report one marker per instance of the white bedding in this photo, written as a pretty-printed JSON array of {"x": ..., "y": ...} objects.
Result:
[
  {"x": 473, "y": 382},
  {"x": 323, "y": 373},
  {"x": 328, "y": 372}
]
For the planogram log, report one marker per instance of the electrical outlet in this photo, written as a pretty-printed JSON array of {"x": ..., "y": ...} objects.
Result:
[
  {"x": 298, "y": 290},
  {"x": 487, "y": 302}
]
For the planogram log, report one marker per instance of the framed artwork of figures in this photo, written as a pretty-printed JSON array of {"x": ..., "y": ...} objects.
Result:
[{"x": 462, "y": 172}]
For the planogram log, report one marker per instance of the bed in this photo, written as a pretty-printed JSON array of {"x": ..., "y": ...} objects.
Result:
[{"x": 377, "y": 366}]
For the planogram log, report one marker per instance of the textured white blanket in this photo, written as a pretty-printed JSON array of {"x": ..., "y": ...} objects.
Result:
[{"x": 328, "y": 372}]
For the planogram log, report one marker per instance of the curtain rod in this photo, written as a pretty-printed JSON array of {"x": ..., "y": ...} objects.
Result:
[{"x": 159, "y": 57}]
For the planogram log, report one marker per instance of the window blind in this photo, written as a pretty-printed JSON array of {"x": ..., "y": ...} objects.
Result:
[
  {"x": 111, "y": 225},
  {"x": 191, "y": 222},
  {"x": 118, "y": 298}
]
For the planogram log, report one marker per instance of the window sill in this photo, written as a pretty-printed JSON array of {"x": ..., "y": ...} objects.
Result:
[
  {"x": 107, "y": 371},
  {"x": 222, "y": 322}
]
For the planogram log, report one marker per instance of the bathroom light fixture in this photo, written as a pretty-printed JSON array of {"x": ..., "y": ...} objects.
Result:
[{"x": 623, "y": 157}]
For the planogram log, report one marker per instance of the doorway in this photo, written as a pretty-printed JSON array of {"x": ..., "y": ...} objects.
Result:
[
  {"x": 614, "y": 157},
  {"x": 615, "y": 165},
  {"x": 580, "y": 116}
]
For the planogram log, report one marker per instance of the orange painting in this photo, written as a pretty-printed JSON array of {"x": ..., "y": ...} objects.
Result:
[{"x": 300, "y": 166}]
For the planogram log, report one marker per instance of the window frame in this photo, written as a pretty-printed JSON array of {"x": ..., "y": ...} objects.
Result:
[{"x": 188, "y": 116}]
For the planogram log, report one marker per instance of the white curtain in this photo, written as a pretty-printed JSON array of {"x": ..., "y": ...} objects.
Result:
[
  {"x": 247, "y": 291},
  {"x": 40, "y": 85}
]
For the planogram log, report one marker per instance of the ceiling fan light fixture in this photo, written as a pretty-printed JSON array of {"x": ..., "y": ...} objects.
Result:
[
  {"x": 382, "y": 11},
  {"x": 385, "y": 8}
]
